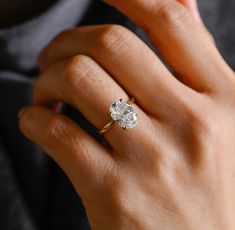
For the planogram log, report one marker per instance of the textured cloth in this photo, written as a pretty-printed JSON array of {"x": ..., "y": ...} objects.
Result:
[{"x": 34, "y": 193}]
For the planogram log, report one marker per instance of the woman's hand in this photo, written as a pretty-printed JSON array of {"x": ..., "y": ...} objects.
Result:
[{"x": 175, "y": 169}]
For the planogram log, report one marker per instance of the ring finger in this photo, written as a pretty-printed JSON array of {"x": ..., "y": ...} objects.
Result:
[{"x": 82, "y": 83}]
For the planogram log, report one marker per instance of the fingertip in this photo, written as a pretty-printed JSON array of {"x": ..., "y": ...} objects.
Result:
[
  {"x": 30, "y": 121},
  {"x": 25, "y": 123},
  {"x": 42, "y": 59},
  {"x": 21, "y": 112},
  {"x": 26, "y": 113}
]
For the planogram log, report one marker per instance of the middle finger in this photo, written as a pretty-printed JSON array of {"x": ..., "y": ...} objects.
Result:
[{"x": 128, "y": 60}]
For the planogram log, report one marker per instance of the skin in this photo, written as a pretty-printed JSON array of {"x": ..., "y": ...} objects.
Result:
[{"x": 175, "y": 169}]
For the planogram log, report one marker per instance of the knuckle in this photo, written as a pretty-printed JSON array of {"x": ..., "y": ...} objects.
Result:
[
  {"x": 76, "y": 69},
  {"x": 203, "y": 121},
  {"x": 59, "y": 38},
  {"x": 56, "y": 132},
  {"x": 196, "y": 117},
  {"x": 171, "y": 13},
  {"x": 111, "y": 36}
]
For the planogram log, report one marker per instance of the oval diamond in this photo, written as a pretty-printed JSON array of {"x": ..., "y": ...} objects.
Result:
[{"x": 123, "y": 114}]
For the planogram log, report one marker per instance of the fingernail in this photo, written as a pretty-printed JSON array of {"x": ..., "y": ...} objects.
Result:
[{"x": 21, "y": 112}]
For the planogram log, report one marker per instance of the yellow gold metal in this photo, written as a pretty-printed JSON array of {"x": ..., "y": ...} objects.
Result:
[
  {"x": 111, "y": 123},
  {"x": 106, "y": 127}
]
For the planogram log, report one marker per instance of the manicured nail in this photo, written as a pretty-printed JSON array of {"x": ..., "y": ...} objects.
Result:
[{"x": 22, "y": 110}]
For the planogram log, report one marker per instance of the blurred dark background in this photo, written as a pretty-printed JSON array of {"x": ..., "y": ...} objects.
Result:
[
  {"x": 219, "y": 16},
  {"x": 34, "y": 192}
]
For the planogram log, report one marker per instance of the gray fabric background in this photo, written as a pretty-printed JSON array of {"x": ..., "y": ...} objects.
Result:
[
  {"x": 219, "y": 16},
  {"x": 34, "y": 192}
]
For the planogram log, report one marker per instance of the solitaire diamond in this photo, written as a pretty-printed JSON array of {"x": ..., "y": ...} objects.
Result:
[{"x": 123, "y": 114}]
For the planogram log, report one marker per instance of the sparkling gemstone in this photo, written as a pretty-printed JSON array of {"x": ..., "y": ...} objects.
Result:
[{"x": 123, "y": 114}]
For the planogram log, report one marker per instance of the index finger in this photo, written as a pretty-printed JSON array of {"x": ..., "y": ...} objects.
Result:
[{"x": 180, "y": 39}]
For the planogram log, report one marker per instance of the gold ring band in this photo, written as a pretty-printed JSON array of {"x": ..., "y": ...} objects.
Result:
[{"x": 106, "y": 127}]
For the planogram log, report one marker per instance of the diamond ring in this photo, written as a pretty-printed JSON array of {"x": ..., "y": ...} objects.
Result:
[{"x": 123, "y": 114}]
